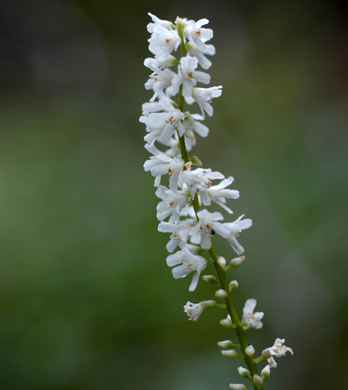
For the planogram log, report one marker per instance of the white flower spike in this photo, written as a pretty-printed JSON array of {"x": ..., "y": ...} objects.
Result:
[{"x": 188, "y": 189}]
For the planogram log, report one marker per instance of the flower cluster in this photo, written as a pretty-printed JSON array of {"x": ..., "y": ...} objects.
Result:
[
  {"x": 185, "y": 188},
  {"x": 167, "y": 127}
]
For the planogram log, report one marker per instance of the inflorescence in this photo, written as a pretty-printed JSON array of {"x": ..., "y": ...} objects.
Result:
[{"x": 190, "y": 189}]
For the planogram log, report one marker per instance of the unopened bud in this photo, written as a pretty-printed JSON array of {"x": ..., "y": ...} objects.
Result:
[
  {"x": 235, "y": 386},
  {"x": 233, "y": 284},
  {"x": 211, "y": 279},
  {"x": 237, "y": 261},
  {"x": 250, "y": 350},
  {"x": 226, "y": 322},
  {"x": 266, "y": 372},
  {"x": 221, "y": 293},
  {"x": 258, "y": 380},
  {"x": 221, "y": 261},
  {"x": 243, "y": 372},
  {"x": 209, "y": 303},
  {"x": 230, "y": 353},
  {"x": 225, "y": 344}
]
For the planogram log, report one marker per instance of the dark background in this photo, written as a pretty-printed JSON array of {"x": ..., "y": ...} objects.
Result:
[{"x": 86, "y": 299}]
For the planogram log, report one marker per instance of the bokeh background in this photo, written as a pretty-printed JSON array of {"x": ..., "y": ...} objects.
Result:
[{"x": 86, "y": 299}]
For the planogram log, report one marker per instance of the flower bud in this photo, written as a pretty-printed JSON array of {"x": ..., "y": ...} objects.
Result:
[
  {"x": 221, "y": 261},
  {"x": 243, "y": 372},
  {"x": 266, "y": 372},
  {"x": 233, "y": 284},
  {"x": 209, "y": 303},
  {"x": 221, "y": 293},
  {"x": 211, "y": 279},
  {"x": 258, "y": 380},
  {"x": 225, "y": 344},
  {"x": 230, "y": 353},
  {"x": 250, "y": 350},
  {"x": 237, "y": 387},
  {"x": 226, "y": 322},
  {"x": 237, "y": 261}
]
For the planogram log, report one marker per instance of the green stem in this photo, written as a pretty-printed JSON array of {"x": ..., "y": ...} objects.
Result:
[
  {"x": 220, "y": 272},
  {"x": 242, "y": 337}
]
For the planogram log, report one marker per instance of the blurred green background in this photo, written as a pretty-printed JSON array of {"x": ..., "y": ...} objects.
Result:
[{"x": 86, "y": 299}]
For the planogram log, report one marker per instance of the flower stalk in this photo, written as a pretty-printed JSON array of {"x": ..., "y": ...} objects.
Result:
[{"x": 189, "y": 190}]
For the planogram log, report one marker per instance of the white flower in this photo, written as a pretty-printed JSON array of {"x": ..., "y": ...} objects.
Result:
[
  {"x": 278, "y": 349},
  {"x": 172, "y": 203},
  {"x": 201, "y": 233},
  {"x": 231, "y": 230},
  {"x": 164, "y": 104},
  {"x": 218, "y": 194},
  {"x": 272, "y": 363},
  {"x": 199, "y": 179},
  {"x": 163, "y": 41},
  {"x": 181, "y": 232},
  {"x": 195, "y": 51},
  {"x": 162, "y": 125},
  {"x": 203, "y": 97},
  {"x": 187, "y": 262},
  {"x": 155, "y": 64},
  {"x": 194, "y": 310},
  {"x": 251, "y": 319},
  {"x": 157, "y": 21},
  {"x": 159, "y": 81},
  {"x": 161, "y": 164},
  {"x": 195, "y": 33},
  {"x": 188, "y": 76},
  {"x": 191, "y": 122}
]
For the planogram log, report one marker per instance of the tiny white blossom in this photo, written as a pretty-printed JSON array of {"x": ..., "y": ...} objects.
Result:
[
  {"x": 195, "y": 51},
  {"x": 198, "y": 34},
  {"x": 278, "y": 349},
  {"x": 191, "y": 122},
  {"x": 157, "y": 21},
  {"x": 272, "y": 363},
  {"x": 251, "y": 319},
  {"x": 230, "y": 231},
  {"x": 161, "y": 126},
  {"x": 201, "y": 233},
  {"x": 161, "y": 164},
  {"x": 188, "y": 77},
  {"x": 159, "y": 81},
  {"x": 163, "y": 41},
  {"x": 199, "y": 179},
  {"x": 218, "y": 194},
  {"x": 172, "y": 203},
  {"x": 203, "y": 97},
  {"x": 194, "y": 310},
  {"x": 185, "y": 262},
  {"x": 181, "y": 232},
  {"x": 155, "y": 64}
]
